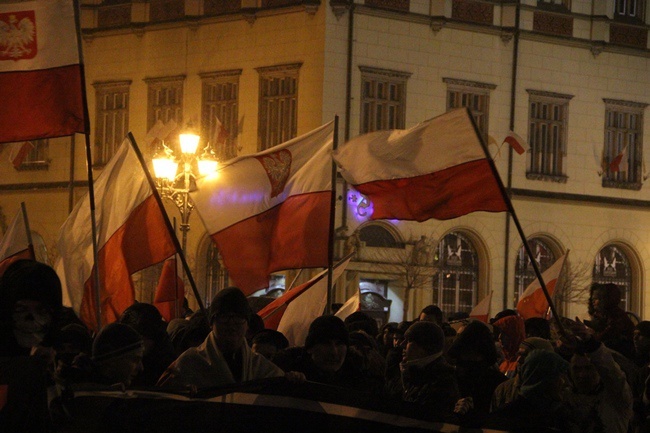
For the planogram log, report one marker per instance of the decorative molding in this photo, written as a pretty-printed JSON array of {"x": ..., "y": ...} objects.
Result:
[
  {"x": 473, "y": 11},
  {"x": 114, "y": 16},
  {"x": 220, "y": 74},
  {"x": 507, "y": 35},
  {"x": 633, "y": 36},
  {"x": 163, "y": 80},
  {"x": 340, "y": 7},
  {"x": 279, "y": 68},
  {"x": 549, "y": 95},
  {"x": 249, "y": 15},
  {"x": 597, "y": 48},
  {"x": 628, "y": 104},
  {"x": 437, "y": 24},
  {"x": 547, "y": 177},
  {"x": 311, "y": 7},
  {"x": 468, "y": 84},
  {"x": 552, "y": 23},
  {"x": 634, "y": 186},
  {"x": 389, "y": 73},
  {"x": 398, "y": 5},
  {"x": 106, "y": 85}
]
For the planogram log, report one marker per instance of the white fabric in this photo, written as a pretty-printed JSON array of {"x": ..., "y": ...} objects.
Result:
[{"x": 15, "y": 239}]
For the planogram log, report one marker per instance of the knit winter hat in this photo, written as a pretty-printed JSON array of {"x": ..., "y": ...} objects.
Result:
[
  {"x": 536, "y": 343},
  {"x": 114, "y": 340},
  {"x": 476, "y": 337},
  {"x": 428, "y": 335},
  {"x": 29, "y": 279},
  {"x": 324, "y": 329},
  {"x": 229, "y": 300}
]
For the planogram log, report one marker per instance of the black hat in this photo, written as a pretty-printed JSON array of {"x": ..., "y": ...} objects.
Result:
[
  {"x": 114, "y": 340},
  {"x": 324, "y": 329},
  {"x": 229, "y": 300},
  {"x": 428, "y": 335},
  {"x": 29, "y": 279}
]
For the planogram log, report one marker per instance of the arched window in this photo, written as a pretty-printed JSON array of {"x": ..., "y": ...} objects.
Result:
[
  {"x": 612, "y": 265},
  {"x": 524, "y": 271},
  {"x": 455, "y": 286},
  {"x": 376, "y": 235},
  {"x": 216, "y": 274}
]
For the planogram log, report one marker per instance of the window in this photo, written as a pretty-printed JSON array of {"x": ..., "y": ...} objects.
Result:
[
  {"x": 629, "y": 9},
  {"x": 612, "y": 265},
  {"x": 30, "y": 155},
  {"x": 376, "y": 235},
  {"x": 164, "y": 100},
  {"x": 623, "y": 133},
  {"x": 524, "y": 271},
  {"x": 548, "y": 115},
  {"x": 455, "y": 286},
  {"x": 278, "y": 110},
  {"x": 383, "y": 99},
  {"x": 112, "y": 119},
  {"x": 475, "y": 96},
  {"x": 219, "y": 111}
]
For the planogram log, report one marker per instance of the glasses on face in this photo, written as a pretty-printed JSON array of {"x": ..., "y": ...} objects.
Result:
[{"x": 231, "y": 318}]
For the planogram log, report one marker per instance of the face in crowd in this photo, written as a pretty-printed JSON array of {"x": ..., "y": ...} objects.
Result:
[
  {"x": 31, "y": 322},
  {"x": 329, "y": 355},
  {"x": 230, "y": 331}
]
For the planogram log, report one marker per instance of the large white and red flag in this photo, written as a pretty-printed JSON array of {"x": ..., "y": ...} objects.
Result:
[
  {"x": 481, "y": 311},
  {"x": 437, "y": 169},
  {"x": 292, "y": 312},
  {"x": 532, "y": 302},
  {"x": 352, "y": 305},
  {"x": 170, "y": 291},
  {"x": 15, "y": 244},
  {"x": 40, "y": 72},
  {"x": 271, "y": 210},
  {"x": 132, "y": 235}
]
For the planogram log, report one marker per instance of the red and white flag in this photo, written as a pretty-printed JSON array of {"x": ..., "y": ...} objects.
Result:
[
  {"x": 517, "y": 143},
  {"x": 15, "y": 243},
  {"x": 437, "y": 169},
  {"x": 351, "y": 305},
  {"x": 619, "y": 163},
  {"x": 170, "y": 290},
  {"x": 482, "y": 310},
  {"x": 533, "y": 303},
  {"x": 131, "y": 235},
  {"x": 220, "y": 134},
  {"x": 160, "y": 132},
  {"x": 271, "y": 210},
  {"x": 19, "y": 152},
  {"x": 40, "y": 73},
  {"x": 292, "y": 312}
]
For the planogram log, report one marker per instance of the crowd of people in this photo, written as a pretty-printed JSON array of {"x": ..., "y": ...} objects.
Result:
[{"x": 511, "y": 374}]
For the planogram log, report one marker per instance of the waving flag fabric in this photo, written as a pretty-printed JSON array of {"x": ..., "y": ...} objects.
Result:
[
  {"x": 271, "y": 210},
  {"x": 482, "y": 310},
  {"x": 619, "y": 163},
  {"x": 170, "y": 291},
  {"x": 517, "y": 143},
  {"x": 437, "y": 169},
  {"x": 131, "y": 236},
  {"x": 40, "y": 72},
  {"x": 15, "y": 243},
  {"x": 532, "y": 302}
]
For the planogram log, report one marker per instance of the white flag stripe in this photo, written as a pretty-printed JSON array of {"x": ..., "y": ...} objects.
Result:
[{"x": 15, "y": 238}]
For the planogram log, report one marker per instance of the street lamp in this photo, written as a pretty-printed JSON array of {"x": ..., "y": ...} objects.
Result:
[{"x": 175, "y": 184}]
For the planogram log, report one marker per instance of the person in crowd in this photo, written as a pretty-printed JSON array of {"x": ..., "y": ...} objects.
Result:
[
  {"x": 395, "y": 354},
  {"x": 185, "y": 334},
  {"x": 117, "y": 355},
  {"x": 426, "y": 377},
  {"x": 385, "y": 338},
  {"x": 433, "y": 313},
  {"x": 30, "y": 303},
  {"x": 360, "y": 321},
  {"x": 537, "y": 327},
  {"x": 611, "y": 324},
  {"x": 538, "y": 406},
  {"x": 641, "y": 338},
  {"x": 372, "y": 364},
  {"x": 511, "y": 333},
  {"x": 159, "y": 351},
  {"x": 224, "y": 356},
  {"x": 268, "y": 342},
  {"x": 255, "y": 325},
  {"x": 507, "y": 391},
  {"x": 474, "y": 355}
]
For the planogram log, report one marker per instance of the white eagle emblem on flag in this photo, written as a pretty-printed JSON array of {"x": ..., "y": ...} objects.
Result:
[
  {"x": 17, "y": 35},
  {"x": 278, "y": 167}
]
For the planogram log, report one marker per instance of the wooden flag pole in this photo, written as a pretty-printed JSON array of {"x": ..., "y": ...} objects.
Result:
[
  {"x": 330, "y": 244},
  {"x": 168, "y": 224},
  {"x": 515, "y": 219}
]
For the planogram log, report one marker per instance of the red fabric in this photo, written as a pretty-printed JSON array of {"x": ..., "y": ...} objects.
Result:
[
  {"x": 142, "y": 241},
  {"x": 442, "y": 195},
  {"x": 536, "y": 304},
  {"x": 22, "y": 153},
  {"x": 41, "y": 104},
  {"x": 25, "y": 254},
  {"x": 515, "y": 144},
  {"x": 4, "y": 391},
  {"x": 170, "y": 291},
  {"x": 273, "y": 312},
  {"x": 293, "y": 234}
]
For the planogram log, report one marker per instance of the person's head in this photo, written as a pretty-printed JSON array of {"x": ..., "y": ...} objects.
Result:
[
  {"x": 30, "y": 301},
  {"x": 327, "y": 343},
  {"x": 147, "y": 321},
  {"x": 255, "y": 325},
  {"x": 584, "y": 375},
  {"x": 543, "y": 375},
  {"x": 511, "y": 333},
  {"x": 229, "y": 315},
  {"x": 268, "y": 342},
  {"x": 431, "y": 313},
  {"x": 537, "y": 327},
  {"x": 642, "y": 339},
  {"x": 603, "y": 298},
  {"x": 421, "y": 340},
  {"x": 117, "y": 352},
  {"x": 474, "y": 346},
  {"x": 387, "y": 333},
  {"x": 360, "y": 321},
  {"x": 530, "y": 344}
]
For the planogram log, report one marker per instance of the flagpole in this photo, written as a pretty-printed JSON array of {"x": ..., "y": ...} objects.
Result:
[
  {"x": 515, "y": 219},
  {"x": 89, "y": 167},
  {"x": 30, "y": 243},
  {"x": 330, "y": 243},
  {"x": 168, "y": 224}
]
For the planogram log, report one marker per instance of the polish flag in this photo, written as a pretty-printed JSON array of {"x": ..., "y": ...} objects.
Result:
[
  {"x": 131, "y": 236},
  {"x": 437, "y": 169},
  {"x": 19, "y": 152},
  {"x": 292, "y": 312},
  {"x": 40, "y": 72},
  {"x": 352, "y": 305},
  {"x": 533, "y": 303},
  {"x": 170, "y": 290},
  {"x": 619, "y": 163},
  {"x": 160, "y": 132},
  {"x": 517, "y": 143},
  {"x": 15, "y": 243},
  {"x": 271, "y": 210},
  {"x": 482, "y": 310}
]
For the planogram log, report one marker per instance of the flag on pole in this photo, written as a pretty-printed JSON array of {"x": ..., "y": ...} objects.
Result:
[
  {"x": 517, "y": 143},
  {"x": 40, "y": 72},
  {"x": 131, "y": 236},
  {"x": 437, "y": 169},
  {"x": 533, "y": 303},
  {"x": 170, "y": 290},
  {"x": 160, "y": 132},
  {"x": 482, "y": 310},
  {"x": 271, "y": 210},
  {"x": 619, "y": 163},
  {"x": 15, "y": 243},
  {"x": 19, "y": 152},
  {"x": 351, "y": 305},
  {"x": 292, "y": 312}
]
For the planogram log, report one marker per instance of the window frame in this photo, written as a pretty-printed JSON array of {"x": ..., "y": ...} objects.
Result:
[
  {"x": 626, "y": 282},
  {"x": 466, "y": 91},
  {"x": 167, "y": 88},
  {"x": 107, "y": 142},
  {"x": 369, "y": 118},
  {"x": 222, "y": 104}
]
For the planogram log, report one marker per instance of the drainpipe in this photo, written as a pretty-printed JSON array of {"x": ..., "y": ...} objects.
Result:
[{"x": 348, "y": 106}]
